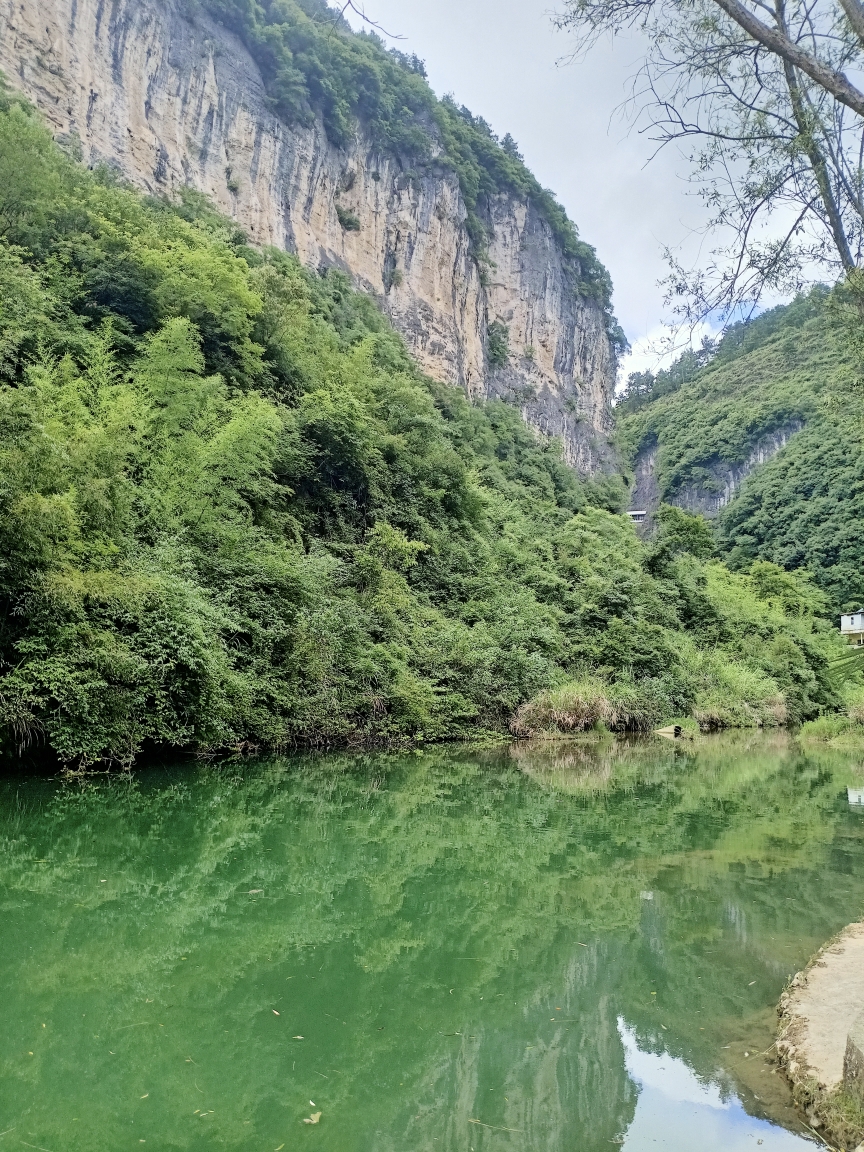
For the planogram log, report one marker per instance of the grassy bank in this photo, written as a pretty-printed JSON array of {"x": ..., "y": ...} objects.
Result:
[{"x": 844, "y": 728}]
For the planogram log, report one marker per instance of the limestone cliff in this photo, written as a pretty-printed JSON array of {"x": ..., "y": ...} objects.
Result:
[
  {"x": 720, "y": 480},
  {"x": 172, "y": 100}
]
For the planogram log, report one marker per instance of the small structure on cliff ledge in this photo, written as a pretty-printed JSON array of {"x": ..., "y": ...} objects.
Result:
[{"x": 852, "y": 627}]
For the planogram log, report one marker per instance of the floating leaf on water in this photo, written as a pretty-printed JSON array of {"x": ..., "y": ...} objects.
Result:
[
  {"x": 275, "y": 1013},
  {"x": 313, "y": 1119}
]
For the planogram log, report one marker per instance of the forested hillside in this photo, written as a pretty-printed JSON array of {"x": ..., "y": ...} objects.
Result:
[
  {"x": 234, "y": 514},
  {"x": 791, "y": 368}
]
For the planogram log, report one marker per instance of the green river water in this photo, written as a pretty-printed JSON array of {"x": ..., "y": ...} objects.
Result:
[{"x": 561, "y": 948}]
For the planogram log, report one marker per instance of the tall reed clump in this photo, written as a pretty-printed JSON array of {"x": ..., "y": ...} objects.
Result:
[
  {"x": 729, "y": 694},
  {"x": 589, "y": 702}
]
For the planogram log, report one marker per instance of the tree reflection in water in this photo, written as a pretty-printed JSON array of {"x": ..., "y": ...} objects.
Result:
[{"x": 480, "y": 950}]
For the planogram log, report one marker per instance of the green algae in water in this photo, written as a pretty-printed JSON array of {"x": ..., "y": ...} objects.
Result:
[{"x": 551, "y": 947}]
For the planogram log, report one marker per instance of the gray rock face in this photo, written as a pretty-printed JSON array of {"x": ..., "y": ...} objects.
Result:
[
  {"x": 721, "y": 479},
  {"x": 173, "y": 101},
  {"x": 646, "y": 491},
  {"x": 718, "y": 488},
  {"x": 853, "y": 1059}
]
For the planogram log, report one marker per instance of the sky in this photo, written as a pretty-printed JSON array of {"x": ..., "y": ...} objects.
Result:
[{"x": 503, "y": 59}]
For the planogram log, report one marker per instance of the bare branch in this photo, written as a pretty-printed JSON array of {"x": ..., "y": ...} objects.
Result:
[
  {"x": 772, "y": 39},
  {"x": 855, "y": 15}
]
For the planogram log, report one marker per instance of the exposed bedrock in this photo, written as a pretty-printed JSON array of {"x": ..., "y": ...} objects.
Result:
[
  {"x": 821, "y": 1035},
  {"x": 173, "y": 101},
  {"x": 718, "y": 480}
]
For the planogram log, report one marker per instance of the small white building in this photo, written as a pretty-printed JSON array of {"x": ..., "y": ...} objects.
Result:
[
  {"x": 852, "y": 627},
  {"x": 637, "y": 517}
]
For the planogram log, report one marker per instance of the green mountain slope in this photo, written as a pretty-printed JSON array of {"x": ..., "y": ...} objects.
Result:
[
  {"x": 233, "y": 513},
  {"x": 802, "y": 510},
  {"x": 786, "y": 371}
]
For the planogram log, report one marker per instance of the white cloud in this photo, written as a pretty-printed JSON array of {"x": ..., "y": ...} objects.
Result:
[{"x": 666, "y": 1073}]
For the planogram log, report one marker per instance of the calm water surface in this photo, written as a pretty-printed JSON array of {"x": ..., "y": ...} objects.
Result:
[{"x": 557, "y": 949}]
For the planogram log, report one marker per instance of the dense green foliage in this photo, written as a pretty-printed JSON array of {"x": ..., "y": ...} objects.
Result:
[
  {"x": 233, "y": 512},
  {"x": 762, "y": 377},
  {"x": 802, "y": 510},
  {"x": 791, "y": 366},
  {"x": 314, "y": 66}
]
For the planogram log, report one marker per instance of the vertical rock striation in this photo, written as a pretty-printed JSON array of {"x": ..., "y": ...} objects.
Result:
[
  {"x": 719, "y": 481},
  {"x": 173, "y": 100}
]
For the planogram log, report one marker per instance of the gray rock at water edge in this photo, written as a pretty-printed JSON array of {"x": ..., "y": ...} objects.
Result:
[{"x": 853, "y": 1061}]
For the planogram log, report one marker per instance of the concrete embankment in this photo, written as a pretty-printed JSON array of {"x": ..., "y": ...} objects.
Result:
[{"x": 821, "y": 1039}]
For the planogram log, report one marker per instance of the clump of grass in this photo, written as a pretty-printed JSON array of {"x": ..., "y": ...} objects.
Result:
[
  {"x": 826, "y": 727},
  {"x": 570, "y": 708},
  {"x": 730, "y": 694},
  {"x": 837, "y": 1115},
  {"x": 588, "y": 703}
]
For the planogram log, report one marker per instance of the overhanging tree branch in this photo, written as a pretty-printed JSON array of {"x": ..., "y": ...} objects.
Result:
[
  {"x": 836, "y": 83},
  {"x": 762, "y": 89},
  {"x": 855, "y": 15}
]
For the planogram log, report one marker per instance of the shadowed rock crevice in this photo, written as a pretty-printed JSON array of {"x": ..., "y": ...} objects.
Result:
[{"x": 715, "y": 483}]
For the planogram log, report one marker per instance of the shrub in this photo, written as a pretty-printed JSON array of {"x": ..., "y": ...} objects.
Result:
[
  {"x": 349, "y": 221},
  {"x": 826, "y": 727},
  {"x": 497, "y": 344}
]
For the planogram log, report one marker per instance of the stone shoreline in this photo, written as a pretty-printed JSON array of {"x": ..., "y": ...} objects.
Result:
[{"x": 820, "y": 1042}]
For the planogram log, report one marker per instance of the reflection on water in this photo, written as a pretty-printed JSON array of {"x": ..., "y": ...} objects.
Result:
[
  {"x": 677, "y": 1110},
  {"x": 550, "y": 947}
]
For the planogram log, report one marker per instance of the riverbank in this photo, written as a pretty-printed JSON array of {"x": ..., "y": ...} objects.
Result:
[{"x": 819, "y": 1009}]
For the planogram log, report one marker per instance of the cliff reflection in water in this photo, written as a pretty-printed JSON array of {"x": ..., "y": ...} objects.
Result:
[{"x": 473, "y": 947}]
